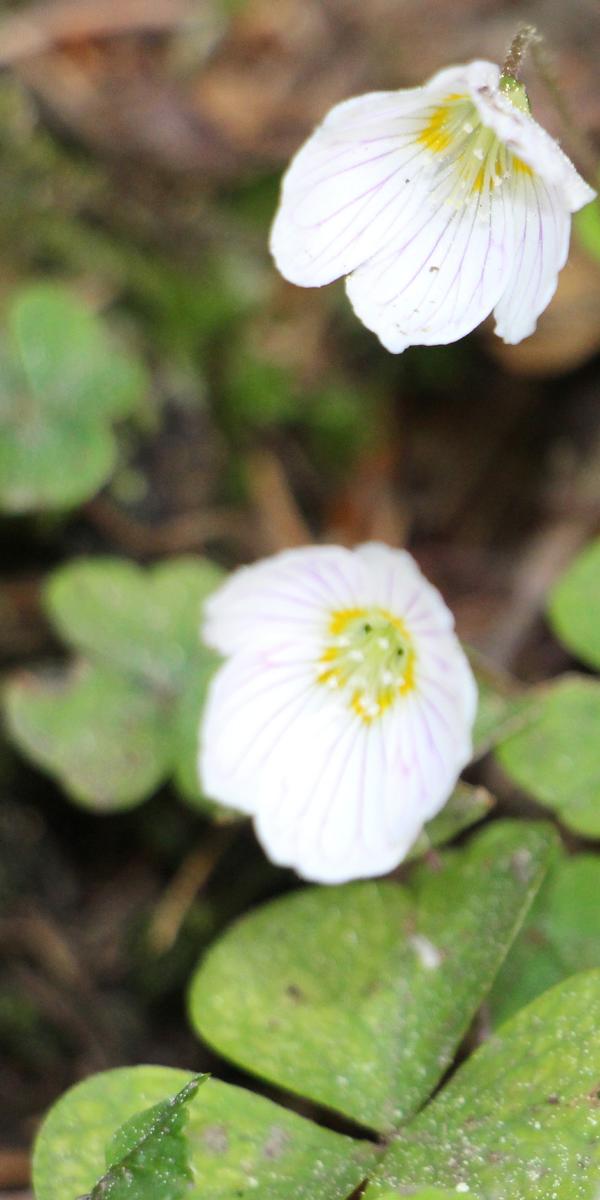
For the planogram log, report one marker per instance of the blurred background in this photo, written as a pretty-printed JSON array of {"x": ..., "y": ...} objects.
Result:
[{"x": 213, "y": 409}]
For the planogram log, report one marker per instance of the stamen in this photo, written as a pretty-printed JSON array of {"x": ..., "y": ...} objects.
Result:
[{"x": 370, "y": 660}]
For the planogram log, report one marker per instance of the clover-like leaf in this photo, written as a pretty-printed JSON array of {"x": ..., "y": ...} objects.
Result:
[
  {"x": 126, "y": 717},
  {"x": 62, "y": 384},
  {"x": 357, "y": 996},
  {"x": 98, "y": 732},
  {"x": 561, "y": 936},
  {"x": 148, "y": 1157},
  {"x": 520, "y": 1118},
  {"x": 555, "y": 757},
  {"x": 237, "y": 1144},
  {"x": 503, "y": 705},
  {"x": 574, "y": 605},
  {"x": 146, "y": 623}
]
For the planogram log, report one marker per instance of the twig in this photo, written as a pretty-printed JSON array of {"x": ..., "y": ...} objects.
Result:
[
  {"x": 15, "y": 1169},
  {"x": 542, "y": 562},
  {"x": 192, "y": 875},
  {"x": 281, "y": 522}
]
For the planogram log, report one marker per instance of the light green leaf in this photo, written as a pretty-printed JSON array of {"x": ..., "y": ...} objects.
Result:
[
  {"x": 503, "y": 705},
  {"x": 145, "y": 622},
  {"x": 62, "y": 384},
  {"x": 422, "y": 1194},
  {"x": 556, "y": 757},
  {"x": 148, "y": 1157},
  {"x": 67, "y": 359},
  {"x": 574, "y": 606},
  {"x": 466, "y": 806},
  {"x": 58, "y": 464},
  {"x": 106, "y": 739},
  {"x": 561, "y": 936},
  {"x": 357, "y": 996},
  {"x": 586, "y": 224},
  {"x": 520, "y": 1119},
  {"x": 238, "y": 1144},
  {"x": 128, "y": 716}
]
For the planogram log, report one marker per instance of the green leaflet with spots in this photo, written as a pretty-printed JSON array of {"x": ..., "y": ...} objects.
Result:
[
  {"x": 148, "y": 1157},
  {"x": 520, "y": 1119},
  {"x": 237, "y": 1145},
  {"x": 560, "y": 937},
  {"x": 358, "y": 996}
]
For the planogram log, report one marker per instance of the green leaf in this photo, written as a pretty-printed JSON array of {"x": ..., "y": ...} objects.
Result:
[
  {"x": 66, "y": 357},
  {"x": 145, "y": 622},
  {"x": 422, "y": 1194},
  {"x": 101, "y": 735},
  {"x": 503, "y": 705},
  {"x": 555, "y": 758},
  {"x": 466, "y": 806},
  {"x": 586, "y": 224},
  {"x": 574, "y": 606},
  {"x": 62, "y": 384},
  {"x": 520, "y": 1118},
  {"x": 238, "y": 1144},
  {"x": 148, "y": 1158},
  {"x": 119, "y": 723},
  {"x": 58, "y": 464},
  {"x": 561, "y": 936},
  {"x": 357, "y": 996}
]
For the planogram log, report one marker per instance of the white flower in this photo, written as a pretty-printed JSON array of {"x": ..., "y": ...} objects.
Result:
[
  {"x": 439, "y": 204},
  {"x": 342, "y": 716}
]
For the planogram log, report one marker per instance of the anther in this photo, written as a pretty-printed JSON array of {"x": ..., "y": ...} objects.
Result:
[{"x": 383, "y": 643}]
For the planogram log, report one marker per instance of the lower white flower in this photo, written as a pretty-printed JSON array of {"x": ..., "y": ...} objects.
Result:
[
  {"x": 343, "y": 714},
  {"x": 439, "y": 203}
]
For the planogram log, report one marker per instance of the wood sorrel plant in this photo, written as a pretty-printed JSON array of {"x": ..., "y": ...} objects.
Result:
[{"x": 353, "y": 1001}]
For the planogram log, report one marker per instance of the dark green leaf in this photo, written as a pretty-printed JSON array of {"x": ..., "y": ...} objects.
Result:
[
  {"x": 358, "y": 996},
  {"x": 148, "y": 1157},
  {"x": 239, "y": 1145},
  {"x": 560, "y": 936},
  {"x": 519, "y": 1121}
]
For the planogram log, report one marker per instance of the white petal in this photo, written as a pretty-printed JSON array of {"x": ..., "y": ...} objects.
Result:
[
  {"x": 528, "y": 141},
  {"x": 541, "y": 242},
  {"x": 330, "y": 821},
  {"x": 397, "y": 584},
  {"x": 346, "y": 188},
  {"x": 441, "y": 276},
  {"x": 250, "y": 709},
  {"x": 282, "y": 601}
]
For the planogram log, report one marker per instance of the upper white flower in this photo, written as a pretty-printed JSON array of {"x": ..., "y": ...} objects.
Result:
[
  {"x": 439, "y": 204},
  {"x": 343, "y": 714}
]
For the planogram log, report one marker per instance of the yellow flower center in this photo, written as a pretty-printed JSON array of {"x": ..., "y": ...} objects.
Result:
[
  {"x": 369, "y": 658},
  {"x": 455, "y": 133}
]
